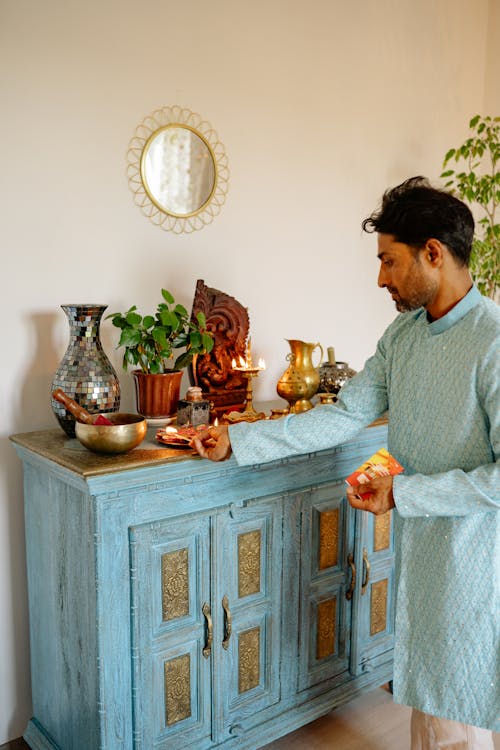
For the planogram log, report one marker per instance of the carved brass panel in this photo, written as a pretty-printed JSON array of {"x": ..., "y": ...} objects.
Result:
[
  {"x": 325, "y": 637},
  {"x": 378, "y": 607},
  {"x": 328, "y": 538},
  {"x": 382, "y": 532},
  {"x": 249, "y": 563},
  {"x": 175, "y": 584},
  {"x": 248, "y": 659},
  {"x": 177, "y": 689}
]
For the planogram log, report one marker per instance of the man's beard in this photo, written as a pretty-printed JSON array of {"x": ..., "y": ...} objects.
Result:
[{"x": 423, "y": 293}]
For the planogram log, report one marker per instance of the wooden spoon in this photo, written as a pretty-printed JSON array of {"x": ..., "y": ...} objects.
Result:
[{"x": 79, "y": 413}]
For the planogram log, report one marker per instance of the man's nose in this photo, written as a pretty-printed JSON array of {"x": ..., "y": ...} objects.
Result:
[{"x": 382, "y": 279}]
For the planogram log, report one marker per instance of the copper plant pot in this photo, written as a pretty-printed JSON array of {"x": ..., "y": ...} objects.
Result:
[{"x": 157, "y": 395}]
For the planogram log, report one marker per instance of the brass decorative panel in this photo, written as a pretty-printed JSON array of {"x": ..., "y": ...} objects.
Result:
[
  {"x": 325, "y": 637},
  {"x": 249, "y": 563},
  {"x": 378, "y": 607},
  {"x": 177, "y": 689},
  {"x": 382, "y": 532},
  {"x": 175, "y": 584},
  {"x": 248, "y": 659},
  {"x": 328, "y": 538}
]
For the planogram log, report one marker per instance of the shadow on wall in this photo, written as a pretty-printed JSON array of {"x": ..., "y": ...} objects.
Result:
[
  {"x": 30, "y": 410},
  {"x": 17, "y": 607},
  {"x": 34, "y": 408}
]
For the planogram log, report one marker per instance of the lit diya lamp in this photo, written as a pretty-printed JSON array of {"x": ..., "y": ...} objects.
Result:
[{"x": 249, "y": 371}]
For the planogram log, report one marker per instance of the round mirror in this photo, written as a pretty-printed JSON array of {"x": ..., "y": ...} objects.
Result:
[{"x": 177, "y": 169}]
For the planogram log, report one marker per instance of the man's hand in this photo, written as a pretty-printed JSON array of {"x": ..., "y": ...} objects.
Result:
[
  {"x": 380, "y": 498},
  {"x": 213, "y": 443}
]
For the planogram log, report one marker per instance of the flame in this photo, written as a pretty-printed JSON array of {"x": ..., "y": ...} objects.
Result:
[
  {"x": 233, "y": 363},
  {"x": 262, "y": 363},
  {"x": 243, "y": 362},
  {"x": 216, "y": 422}
]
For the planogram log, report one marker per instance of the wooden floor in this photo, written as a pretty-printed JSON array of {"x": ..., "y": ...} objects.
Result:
[{"x": 370, "y": 722}]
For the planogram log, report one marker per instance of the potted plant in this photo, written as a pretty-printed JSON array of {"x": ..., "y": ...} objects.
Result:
[
  {"x": 150, "y": 343},
  {"x": 477, "y": 181}
]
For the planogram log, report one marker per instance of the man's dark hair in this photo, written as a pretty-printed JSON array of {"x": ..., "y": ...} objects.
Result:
[{"x": 415, "y": 212}]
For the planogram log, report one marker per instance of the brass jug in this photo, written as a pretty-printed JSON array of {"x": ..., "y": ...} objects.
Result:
[{"x": 300, "y": 380}]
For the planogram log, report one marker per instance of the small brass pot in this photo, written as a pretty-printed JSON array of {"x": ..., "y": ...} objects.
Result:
[{"x": 126, "y": 432}]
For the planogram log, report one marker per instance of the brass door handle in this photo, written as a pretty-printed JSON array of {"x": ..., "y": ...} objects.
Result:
[
  {"x": 210, "y": 630},
  {"x": 350, "y": 590},
  {"x": 228, "y": 622},
  {"x": 366, "y": 571}
]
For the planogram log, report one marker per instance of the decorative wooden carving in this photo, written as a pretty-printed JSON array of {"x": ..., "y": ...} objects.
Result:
[{"x": 228, "y": 320}]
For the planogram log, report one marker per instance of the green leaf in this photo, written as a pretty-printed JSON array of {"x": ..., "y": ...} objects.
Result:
[
  {"x": 160, "y": 336},
  {"x": 129, "y": 337},
  {"x": 180, "y": 310},
  {"x": 183, "y": 360},
  {"x": 195, "y": 339},
  {"x": 167, "y": 296},
  {"x": 133, "y": 319},
  {"x": 208, "y": 342},
  {"x": 148, "y": 321},
  {"x": 202, "y": 321}
]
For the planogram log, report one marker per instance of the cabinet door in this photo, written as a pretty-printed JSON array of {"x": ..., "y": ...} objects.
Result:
[
  {"x": 373, "y": 603},
  {"x": 170, "y": 591},
  {"x": 325, "y": 612},
  {"x": 248, "y": 570}
]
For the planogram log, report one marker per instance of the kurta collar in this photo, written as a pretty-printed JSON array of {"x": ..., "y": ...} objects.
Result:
[{"x": 456, "y": 313}]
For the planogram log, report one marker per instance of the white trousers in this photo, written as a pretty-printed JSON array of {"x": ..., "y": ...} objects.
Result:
[{"x": 430, "y": 733}]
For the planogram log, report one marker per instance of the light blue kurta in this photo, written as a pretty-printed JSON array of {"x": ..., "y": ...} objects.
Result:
[{"x": 441, "y": 384}]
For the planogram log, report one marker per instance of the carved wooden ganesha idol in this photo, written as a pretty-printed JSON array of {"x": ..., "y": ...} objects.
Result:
[{"x": 228, "y": 321}]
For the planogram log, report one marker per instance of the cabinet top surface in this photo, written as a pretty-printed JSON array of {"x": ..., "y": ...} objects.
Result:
[{"x": 54, "y": 445}]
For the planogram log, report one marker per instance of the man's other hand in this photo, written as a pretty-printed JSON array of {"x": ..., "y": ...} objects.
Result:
[{"x": 377, "y": 496}]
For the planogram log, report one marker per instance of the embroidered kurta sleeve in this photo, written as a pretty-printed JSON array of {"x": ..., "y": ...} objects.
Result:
[{"x": 361, "y": 400}]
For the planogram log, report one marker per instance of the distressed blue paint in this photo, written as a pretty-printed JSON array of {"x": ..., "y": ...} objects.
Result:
[{"x": 98, "y": 643}]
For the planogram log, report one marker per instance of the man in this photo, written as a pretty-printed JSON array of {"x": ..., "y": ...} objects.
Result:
[{"x": 436, "y": 371}]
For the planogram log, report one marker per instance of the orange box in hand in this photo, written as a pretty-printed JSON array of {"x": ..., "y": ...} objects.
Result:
[{"x": 381, "y": 464}]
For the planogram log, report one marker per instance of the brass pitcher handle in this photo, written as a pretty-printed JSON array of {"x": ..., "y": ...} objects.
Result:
[
  {"x": 350, "y": 590},
  {"x": 322, "y": 354},
  {"x": 366, "y": 571},
  {"x": 210, "y": 630},
  {"x": 228, "y": 622}
]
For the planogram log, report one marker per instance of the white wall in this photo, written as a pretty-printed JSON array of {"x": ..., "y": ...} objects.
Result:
[
  {"x": 320, "y": 105},
  {"x": 492, "y": 85}
]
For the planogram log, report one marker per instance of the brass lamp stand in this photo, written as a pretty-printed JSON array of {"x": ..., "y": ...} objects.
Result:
[{"x": 249, "y": 372}]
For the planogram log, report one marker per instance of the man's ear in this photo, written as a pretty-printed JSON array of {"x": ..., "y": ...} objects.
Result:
[{"x": 434, "y": 252}]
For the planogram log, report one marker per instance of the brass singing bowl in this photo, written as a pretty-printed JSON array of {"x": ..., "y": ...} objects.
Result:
[{"x": 126, "y": 432}]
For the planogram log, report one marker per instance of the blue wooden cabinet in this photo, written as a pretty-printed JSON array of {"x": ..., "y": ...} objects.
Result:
[{"x": 177, "y": 603}]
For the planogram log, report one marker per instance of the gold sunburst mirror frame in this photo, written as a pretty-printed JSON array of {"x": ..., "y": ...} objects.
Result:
[{"x": 177, "y": 170}]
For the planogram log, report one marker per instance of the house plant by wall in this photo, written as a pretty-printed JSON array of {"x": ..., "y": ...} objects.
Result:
[
  {"x": 150, "y": 343},
  {"x": 477, "y": 181}
]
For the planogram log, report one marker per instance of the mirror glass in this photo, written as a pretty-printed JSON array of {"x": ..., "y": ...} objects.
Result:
[{"x": 178, "y": 170}]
